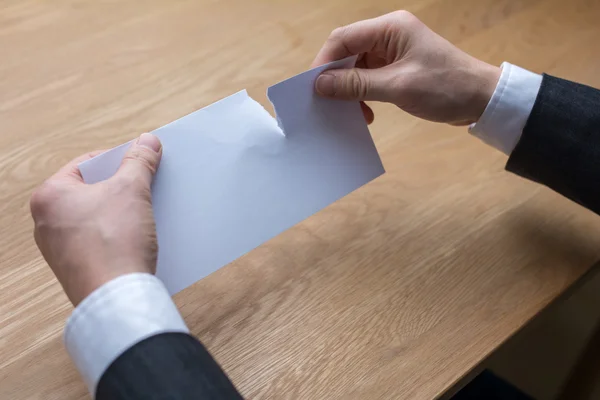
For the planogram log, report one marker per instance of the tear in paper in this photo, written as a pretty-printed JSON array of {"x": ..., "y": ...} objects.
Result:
[{"x": 229, "y": 180}]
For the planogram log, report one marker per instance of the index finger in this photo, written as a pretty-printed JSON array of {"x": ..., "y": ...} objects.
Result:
[
  {"x": 71, "y": 169},
  {"x": 359, "y": 37}
]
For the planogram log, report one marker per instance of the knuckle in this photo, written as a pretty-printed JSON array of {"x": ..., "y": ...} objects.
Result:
[
  {"x": 357, "y": 84},
  {"x": 129, "y": 185},
  {"x": 123, "y": 182},
  {"x": 337, "y": 33},
  {"x": 43, "y": 197},
  {"x": 403, "y": 15},
  {"x": 143, "y": 156},
  {"x": 405, "y": 18}
]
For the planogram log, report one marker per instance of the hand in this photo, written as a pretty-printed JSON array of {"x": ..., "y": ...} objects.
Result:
[
  {"x": 90, "y": 234},
  {"x": 402, "y": 61}
]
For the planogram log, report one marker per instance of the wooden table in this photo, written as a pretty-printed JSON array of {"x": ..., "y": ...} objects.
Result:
[{"x": 394, "y": 292}]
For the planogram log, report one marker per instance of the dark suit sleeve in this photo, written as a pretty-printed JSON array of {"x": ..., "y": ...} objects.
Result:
[
  {"x": 173, "y": 366},
  {"x": 560, "y": 144}
]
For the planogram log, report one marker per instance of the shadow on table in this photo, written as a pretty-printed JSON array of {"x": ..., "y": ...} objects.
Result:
[
  {"x": 570, "y": 250},
  {"x": 487, "y": 386}
]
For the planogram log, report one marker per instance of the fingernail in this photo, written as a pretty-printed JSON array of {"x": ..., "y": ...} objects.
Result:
[
  {"x": 149, "y": 141},
  {"x": 325, "y": 84}
]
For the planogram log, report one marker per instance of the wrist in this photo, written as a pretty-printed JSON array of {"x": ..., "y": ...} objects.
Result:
[
  {"x": 486, "y": 79},
  {"x": 81, "y": 286},
  {"x": 79, "y": 289}
]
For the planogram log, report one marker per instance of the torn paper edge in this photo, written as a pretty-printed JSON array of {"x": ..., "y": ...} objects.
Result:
[{"x": 348, "y": 62}]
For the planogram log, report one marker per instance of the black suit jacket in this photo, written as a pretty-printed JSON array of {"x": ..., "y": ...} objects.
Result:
[
  {"x": 560, "y": 144},
  {"x": 559, "y": 147},
  {"x": 169, "y": 366}
]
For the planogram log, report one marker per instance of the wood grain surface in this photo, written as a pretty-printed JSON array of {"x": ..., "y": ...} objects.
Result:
[{"x": 394, "y": 292}]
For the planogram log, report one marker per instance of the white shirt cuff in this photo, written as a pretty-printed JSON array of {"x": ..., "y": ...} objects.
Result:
[
  {"x": 505, "y": 116},
  {"x": 115, "y": 317}
]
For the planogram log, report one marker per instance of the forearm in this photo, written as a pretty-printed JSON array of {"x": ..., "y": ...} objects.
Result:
[
  {"x": 168, "y": 365},
  {"x": 550, "y": 129},
  {"x": 128, "y": 341},
  {"x": 560, "y": 144}
]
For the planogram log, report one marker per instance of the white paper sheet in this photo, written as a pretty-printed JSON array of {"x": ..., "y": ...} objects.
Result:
[{"x": 229, "y": 178}]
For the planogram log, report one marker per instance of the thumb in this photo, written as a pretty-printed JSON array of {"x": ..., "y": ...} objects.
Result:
[
  {"x": 352, "y": 84},
  {"x": 141, "y": 160}
]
